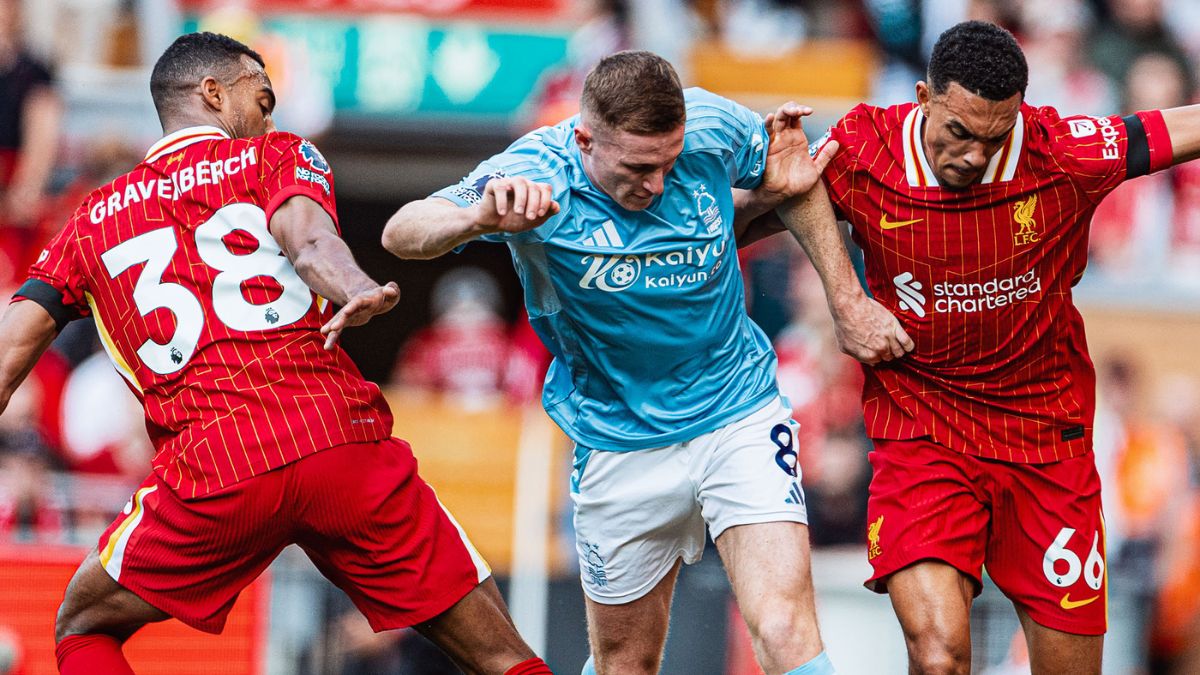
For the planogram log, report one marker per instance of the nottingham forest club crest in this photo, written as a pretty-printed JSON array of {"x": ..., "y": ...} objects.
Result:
[{"x": 708, "y": 209}]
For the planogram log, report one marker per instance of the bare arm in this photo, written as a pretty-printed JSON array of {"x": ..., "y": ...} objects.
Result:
[
  {"x": 428, "y": 228},
  {"x": 789, "y": 171},
  {"x": 750, "y": 231},
  {"x": 865, "y": 329},
  {"x": 431, "y": 227},
  {"x": 1183, "y": 125},
  {"x": 309, "y": 239},
  {"x": 25, "y": 332},
  {"x": 39, "y": 147}
]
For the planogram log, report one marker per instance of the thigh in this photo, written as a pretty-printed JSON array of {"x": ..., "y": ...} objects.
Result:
[
  {"x": 377, "y": 531},
  {"x": 748, "y": 471},
  {"x": 191, "y": 558},
  {"x": 778, "y": 606},
  {"x": 1047, "y": 543},
  {"x": 636, "y": 516},
  {"x": 94, "y": 603},
  {"x": 629, "y": 638},
  {"x": 477, "y": 632},
  {"x": 1053, "y": 652},
  {"x": 924, "y": 504},
  {"x": 747, "y": 550},
  {"x": 932, "y": 600}
]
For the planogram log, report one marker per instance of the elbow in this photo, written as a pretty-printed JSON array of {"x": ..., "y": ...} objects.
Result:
[
  {"x": 393, "y": 236},
  {"x": 398, "y": 236}
]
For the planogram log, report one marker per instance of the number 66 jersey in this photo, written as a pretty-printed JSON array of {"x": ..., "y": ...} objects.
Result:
[{"x": 203, "y": 315}]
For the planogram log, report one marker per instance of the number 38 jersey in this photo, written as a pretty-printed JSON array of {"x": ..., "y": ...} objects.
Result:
[{"x": 203, "y": 315}]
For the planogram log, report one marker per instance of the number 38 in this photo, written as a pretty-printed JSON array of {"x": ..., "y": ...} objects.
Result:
[
  {"x": 1058, "y": 554},
  {"x": 156, "y": 248}
]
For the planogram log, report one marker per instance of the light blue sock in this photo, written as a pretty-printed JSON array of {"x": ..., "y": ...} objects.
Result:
[
  {"x": 589, "y": 668},
  {"x": 820, "y": 665}
]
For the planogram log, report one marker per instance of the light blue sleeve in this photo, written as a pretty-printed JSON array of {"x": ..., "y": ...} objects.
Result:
[
  {"x": 738, "y": 133},
  {"x": 528, "y": 158}
]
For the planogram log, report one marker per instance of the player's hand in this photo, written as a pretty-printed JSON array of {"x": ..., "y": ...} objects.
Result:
[
  {"x": 359, "y": 309},
  {"x": 870, "y": 333},
  {"x": 515, "y": 205},
  {"x": 789, "y": 170}
]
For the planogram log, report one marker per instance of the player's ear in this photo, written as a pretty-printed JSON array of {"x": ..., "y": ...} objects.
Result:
[
  {"x": 584, "y": 139},
  {"x": 923, "y": 96},
  {"x": 213, "y": 93}
]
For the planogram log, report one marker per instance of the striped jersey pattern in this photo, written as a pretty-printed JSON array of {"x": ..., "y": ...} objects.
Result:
[
  {"x": 204, "y": 316},
  {"x": 981, "y": 278}
]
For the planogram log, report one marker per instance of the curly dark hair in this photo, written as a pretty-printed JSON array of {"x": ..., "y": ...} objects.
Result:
[
  {"x": 191, "y": 58},
  {"x": 982, "y": 57}
]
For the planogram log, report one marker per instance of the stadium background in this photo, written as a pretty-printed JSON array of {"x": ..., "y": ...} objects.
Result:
[{"x": 404, "y": 97}]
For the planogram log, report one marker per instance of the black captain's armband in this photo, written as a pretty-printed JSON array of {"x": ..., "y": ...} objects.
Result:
[
  {"x": 36, "y": 290},
  {"x": 1137, "y": 154}
]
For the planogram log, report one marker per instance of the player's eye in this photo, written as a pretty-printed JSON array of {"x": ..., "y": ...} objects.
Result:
[{"x": 959, "y": 133}]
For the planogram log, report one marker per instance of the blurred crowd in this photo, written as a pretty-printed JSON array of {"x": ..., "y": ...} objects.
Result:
[{"x": 72, "y": 442}]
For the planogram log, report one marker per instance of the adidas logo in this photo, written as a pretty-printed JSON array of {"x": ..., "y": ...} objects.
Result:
[
  {"x": 605, "y": 235},
  {"x": 795, "y": 496},
  {"x": 910, "y": 293}
]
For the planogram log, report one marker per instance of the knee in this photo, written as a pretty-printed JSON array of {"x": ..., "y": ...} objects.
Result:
[
  {"x": 67, "y": 622},
  {"x": 625, "y": 657},
  {"x": 784, "y": 635},
  {"x": 934, "y": 655},
  {"x": 76, "y": 617}
]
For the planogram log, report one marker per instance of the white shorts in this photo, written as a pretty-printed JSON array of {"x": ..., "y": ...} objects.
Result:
[{"x": 637, "y": 512}]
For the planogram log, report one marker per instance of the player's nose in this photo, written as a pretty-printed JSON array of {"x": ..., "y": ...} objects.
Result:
[
  {"x": 654, "y": 184},
  {"x": 976, "y": 156}
]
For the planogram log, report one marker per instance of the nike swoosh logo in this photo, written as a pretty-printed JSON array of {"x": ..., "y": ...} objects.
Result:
[
  {"x": 893, "y": 224},
  {"x": 1068, "y": 603}
]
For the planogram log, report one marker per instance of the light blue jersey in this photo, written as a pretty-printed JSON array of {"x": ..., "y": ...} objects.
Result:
[{"x": 644, "y": 311}]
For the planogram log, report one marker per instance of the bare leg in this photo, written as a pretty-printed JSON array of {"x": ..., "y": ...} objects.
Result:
[
  {"x": 94, "y": 603},
  {"x": 629, "y": 639},
  {"x": 933, "y": 602},
  {"x": 1053, "y": 652},
  {"x": 477, "y": 632},
  {"x": 778, "y": 608}
]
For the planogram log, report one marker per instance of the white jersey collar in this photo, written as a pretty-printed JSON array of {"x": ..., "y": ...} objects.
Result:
[{"x": 183, "y": 138}]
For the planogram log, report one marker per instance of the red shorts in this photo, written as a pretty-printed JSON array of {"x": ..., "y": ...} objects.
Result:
[
  {"x": 1038, "y": 528},
  {"x": 360, "y": 512}
]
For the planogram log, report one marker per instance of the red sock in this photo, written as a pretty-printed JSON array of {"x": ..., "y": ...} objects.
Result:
[
  {"x": 534, "y": 666},
  {"x": 91, "y": 654}
]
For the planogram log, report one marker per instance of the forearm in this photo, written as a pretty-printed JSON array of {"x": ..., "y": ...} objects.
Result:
[
  {"x": 750, "y": 205},
  {"x": 26, "y": 331},
  {"x": 811, "y": 220},
  {"x": 39, "y": 144},
  {"x": 429, "y": 228},
  {"x": 1183, "y": 126},
  {"x": 309, "y": 239},
  {"x": 326, "y": 264}
]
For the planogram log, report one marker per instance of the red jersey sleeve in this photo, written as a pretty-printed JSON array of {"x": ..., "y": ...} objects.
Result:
[
  {"x": 1101, "y": 152},
  {"x": 56, "y": 279},
  {"x": 844, "y": 163},
  {"x": 293, "y": 166}
]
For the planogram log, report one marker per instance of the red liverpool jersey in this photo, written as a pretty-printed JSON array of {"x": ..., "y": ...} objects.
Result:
[
  {"x": 202, "y": 313},
  {"x": 981, "y": 277}
]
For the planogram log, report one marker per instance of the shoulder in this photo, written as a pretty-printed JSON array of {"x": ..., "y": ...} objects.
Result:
[
  {"x": 868, "y": 121},
  {"x": 707, "y": 112},
  {"x": 713, "y": 120},
  {"x": 282, "y": 144},
  {"x": 284, "y": 141},
  {"x": 1049, "y": 132},
  {"x": 544, "y": 153}
]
